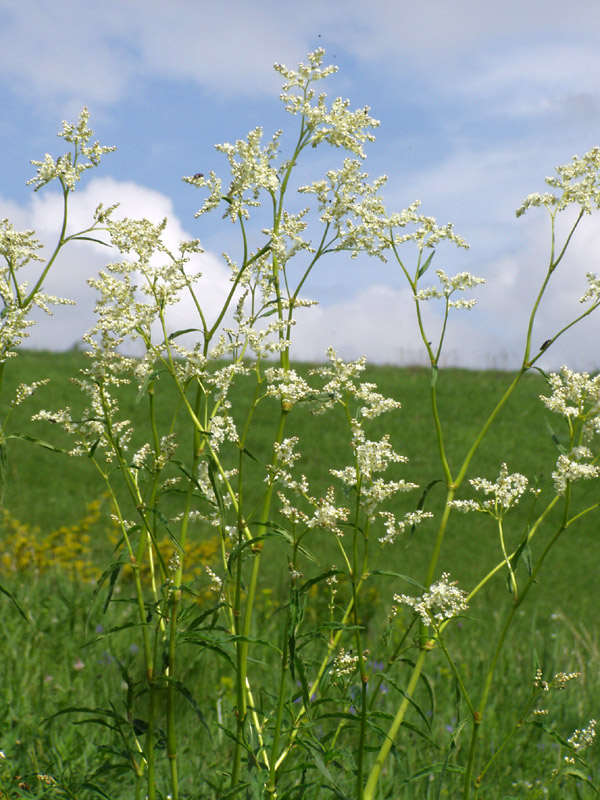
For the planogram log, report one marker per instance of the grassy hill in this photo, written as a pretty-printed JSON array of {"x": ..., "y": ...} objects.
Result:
[
  {"x": 49, "y": 489},
  {"x": 48, "y": 667}
]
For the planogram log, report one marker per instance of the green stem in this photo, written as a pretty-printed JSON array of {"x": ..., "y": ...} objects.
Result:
[
  {"x": 243, "y": 627},
  {"x": 479, "y": 713},
  {"x": 271, "y": 784},
  {"x": 371, "y": 785}
]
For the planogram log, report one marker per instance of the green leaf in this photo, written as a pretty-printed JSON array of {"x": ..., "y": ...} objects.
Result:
[
  {"x": 323, "y": 576},
  {"x": 573, "y": 772},
  {"x": 147, "y": 381},
  {"x": 560, "y": 446},
  {"x": 217, "y": 645},
  {"x": 101, "y": 712},
  {"x": 11, "y": 596},
  {"x": 212, "y": 475},
  {"x": 419, "y": 732},
  {"x": 185, "y": 692},
  {"x": 238, "y": 550},
  {"x": 93, "y": 448},
  {"x": 410, "y": 699},
  {"x": 110, "y": 631},
  {"x": 34, "y": 440},
  {"x": 201, "y": 617},
  {"x": 405, "y": 578},
  {"x": 301, "y": 672},
  {"x": 182, "y": 332},
  {"x": 181, "y": 466},
  {"x": 236, "y": 790},
  {"x": 247, "y": 452},
  {"x": 423, "y": 269},
  {"x": 550, "y": 732},
  {"x": 320, "y": 764},
  {"x": 274, "y": 528},
  {"x": 432, "y": 769},
  {"x": 165, "y": 523},
  {"x": 94, "y": 788},
  {"x": 528, "y": 559},
  {"x": 421, "y": 503},
  {"x": 88, "y": 239},
  {"x": 111, "y": 572}
]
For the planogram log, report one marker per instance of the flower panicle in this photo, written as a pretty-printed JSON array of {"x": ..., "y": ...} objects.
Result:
[
  {"x": 69, "y": 167},
  {"x": 576, "y": 183}
]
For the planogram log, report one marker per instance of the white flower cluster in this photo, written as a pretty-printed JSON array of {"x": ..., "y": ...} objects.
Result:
[
  {"x": 593, "y": 291},
  {"x": 69, "y": 166},
  {"x": 344, "y": 663},
  {"x": 150, "y": 269},
  {"x": 337, "y": 125},
  {"x": 166, "y": 451},
  {"x": 216, "y": 583},
  {"x": 17, "y": 249},
  {"x": 396, "y": 527},
  {"x": 252, "y": 171},
  {"x": 559, "y": 681},
  {"x": 352, "y": 209},
  {"x": 582, "y": 739},
  {"x": 570, "y": 468},
  {"x": 92, "y": 428},
  {"x": 506, "y": 492},
  {"x": 577, "y": 183},
  {"x": 286, "y": 239},
  {"x": 284, "y": 452},
  {"x": 449, "y": 285},
  {"x": 426, "y": 233},
  {"x": 372, "y": 457},
  {"x": 141, "y": 456},
  {"x": 25, "y": 390},
  {"x": 442, "y": 601},
  {"x": 576, "y": 396},
  {"x": 375, "y": 403},
  {"x": 288, "y": 386},
  {"x": 326, "y": 514},
  {"x": 207, "y": 491},
  {"x": 280, "y": 472}
]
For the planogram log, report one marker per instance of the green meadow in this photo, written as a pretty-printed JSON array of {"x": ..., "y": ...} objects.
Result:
[{"x": 57, "y": 538}]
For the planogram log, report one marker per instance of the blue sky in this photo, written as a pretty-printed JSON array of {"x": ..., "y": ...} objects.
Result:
[{"x": 478, "y": 101}]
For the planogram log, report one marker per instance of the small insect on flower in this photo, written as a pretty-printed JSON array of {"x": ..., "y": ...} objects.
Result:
[{"x": 198, "y": 175}]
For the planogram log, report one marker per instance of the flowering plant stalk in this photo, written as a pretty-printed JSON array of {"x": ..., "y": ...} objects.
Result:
[
  {"x": 297, "y": 715},
  {"x": 20, "y": 250}
]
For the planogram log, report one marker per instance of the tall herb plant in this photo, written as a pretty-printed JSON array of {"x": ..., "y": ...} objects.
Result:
[
  {"x": 23, "y": 270},
  {"x": 318, "y": 703}
]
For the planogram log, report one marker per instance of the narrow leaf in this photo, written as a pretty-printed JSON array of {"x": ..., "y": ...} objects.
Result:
[
  {"x": 35, "y": 440},
  {"x": 11, "y": 596},
  {"x": 423, "y": 269},
  {"x": 182, "y": 332},
  {"x": 405, "y": 578},
  {"x": 185, "y": 692}
]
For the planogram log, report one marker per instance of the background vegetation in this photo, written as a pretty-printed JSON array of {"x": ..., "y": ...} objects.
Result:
[{"x": 56, "y": 541}]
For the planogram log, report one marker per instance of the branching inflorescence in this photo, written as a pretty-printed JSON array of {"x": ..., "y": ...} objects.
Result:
[{"x": 304, "y": 698}]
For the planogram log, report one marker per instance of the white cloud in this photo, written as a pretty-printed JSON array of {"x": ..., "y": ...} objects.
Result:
[
  {"x": 80, "y": 53},
  {"x": 98, "y": 54},
  {"x": 513, "y": 65},
  {"x": 79, "y": 261},
  {"x": 378, "y": 321}
]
